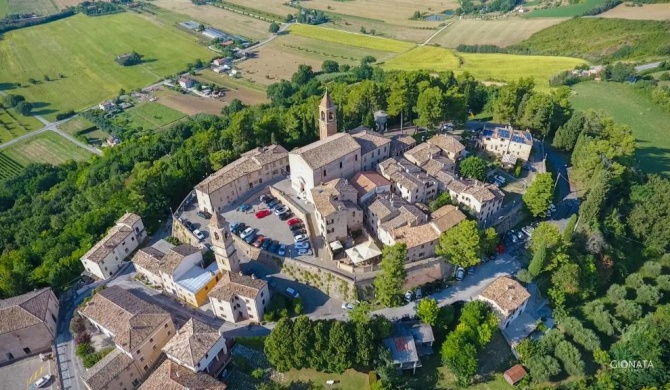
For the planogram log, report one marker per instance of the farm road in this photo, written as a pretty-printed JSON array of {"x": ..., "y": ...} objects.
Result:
[
  {"x": 52, "y": 127},
  {"x": 438, "y": 31}
]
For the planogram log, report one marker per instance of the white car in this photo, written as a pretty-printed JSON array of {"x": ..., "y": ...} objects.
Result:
[
  {"x": 301, "y": 237},
  {"x": 246, "y": 233},
  {"x": 500, "y": 179},
  {"x": 281, "y": 210},
  {"x": 347, "y": 306},
  {"x": 199, "y": 234},
  {"x": 291, "y": 293},
  {"x": 460, "y": 274},
  {"x": 301, "y": 245},
  {"x": 43, "y": 381}
]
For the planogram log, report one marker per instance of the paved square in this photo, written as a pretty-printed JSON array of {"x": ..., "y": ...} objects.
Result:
[{"x": 23, "y": 374}]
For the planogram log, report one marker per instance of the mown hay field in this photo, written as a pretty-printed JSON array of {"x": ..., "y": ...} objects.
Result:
[
  {"x": 486, "y": 67},
  {"x": 501, "y": 32},
  {"x": 566, "y": 11},
  {"x": 82, "y": 49},
  {"x": 152, "y": 115},
  {"x": 47, "y": 148},
  {"x": 351, "y": 39},
  {"x": 13, "y": 125},
  {"x": 642, "y": 12},
  {"x": 38, "y": 7}
]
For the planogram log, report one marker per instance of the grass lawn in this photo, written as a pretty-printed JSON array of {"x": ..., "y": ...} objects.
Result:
[
  {"x": 626, "y": 106},
  {"x": 152, "y": 115},
  {"x": 14, "y": 125},
  {"x": 485, "y": 67},
  {"x": 4, "y": 8},
  {"x": 75, "y": 125},
  {"x": 81, "y": 49},
  {"x": 351, "y": 39},
  {"x": 565, "y": 11},
  {"x": 48, "y": 148},
  {"x": 348, "y": 380}
]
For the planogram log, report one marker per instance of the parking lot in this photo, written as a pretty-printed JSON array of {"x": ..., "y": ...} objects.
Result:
[{"x": 24, "y": 373}]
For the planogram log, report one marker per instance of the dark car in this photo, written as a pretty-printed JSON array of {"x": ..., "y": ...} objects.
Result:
[
  {"x": 266, "y": 244},
  {"x": 298, "y": 232},
  {"x": 296, "y": 226},
  {"x": 274, "y": 247},
  {"x": 250, "y": 238},
  {"x": 285, "y": 216},
  {"x": 204, "y": 214},
  {"x": 239, "y": 228},
  {"x": 189, "y": 226},
  {"x": 273, "y": 203}
]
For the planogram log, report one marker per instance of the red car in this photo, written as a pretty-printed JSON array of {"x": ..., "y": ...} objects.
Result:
[
  {"x": 293, "y": 221},
  {"x": 259, "y": 241},
  {"x": 263, "y": 213}
]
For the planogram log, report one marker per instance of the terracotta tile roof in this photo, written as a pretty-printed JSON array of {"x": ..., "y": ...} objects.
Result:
[
  {"x": 24, "y": 310},
  {"x": 421, "y": 153},
  {"x": 447, "y": 143},
  {"x": 129, "y": 219},
  {"x": 395, "y": 165},
  {"x": 130, "y": 319},
  {"x": 408, "y": 215},
  {"x": 251, "y": 161},
  {"x": 406, "y": 140},
  {"x": 104, "y": 247},
  {"x": 173, "y": 259},
  {"x": 414, "y": 236},
  {"x": 333, "y": 196},
  {"x": 171, "y": 376},
  {"x": 506, "y": 293},
  {"x": 484, "y": 192},
  {"x": 321, "y": 153},
  {"x": 232, "y": 284},
  {"x": 446, "y": 217},
  {"x": 382, "y": 208},
  {"x": 367, "y": 181},
  {"x": 370, "y": 141},
  {"x": 514, "y": 374},
  {"x": 437, "y": 164},
  {"x": 192, "y": 341},
  {"x": 107, "y": 369},
  {"x": 149, "y": 258}
]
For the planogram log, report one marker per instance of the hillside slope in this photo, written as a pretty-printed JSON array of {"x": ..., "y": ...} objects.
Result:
[{"x": 597, "y": 39}]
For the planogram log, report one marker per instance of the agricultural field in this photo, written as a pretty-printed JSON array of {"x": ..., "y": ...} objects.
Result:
[
  {"x": 416, "y": 34},
  {"x": 76, "y": 125},
  {"x": 61, "y": 4},
  {"x": 565, "y": 11},
  {"x": 230, "y": 22},
  {"x": 627, "y": 106},
  {"x": 151, "y": 115},
  {"x": 345, "y": 38},
  {"x": 189, "y": 104},
  {"x": 639, "y": 12},
  {"x": 13, "y": 125},
  {"x": 47, "y": 148},
  {"x": 486, "y": 67},
  {"x": 597, "y": 39},
  {"x": 8, "y": 167},
  {"x": 83, "y": 43},
  {"x": 38, "y": 7},
  {"x": 501, "y": 32},
  {"x": 391, "y": 11},
  {"x": 322, "y": 50}
]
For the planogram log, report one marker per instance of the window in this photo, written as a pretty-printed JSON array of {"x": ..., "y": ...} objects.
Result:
[
  {"x": 123, "y": 243},
  {"x": 151, "y": 340},
  {"x": 165, "y": 326},
  {"x": 136, "y": 382},
  {"x": 9, "y": 356},
  {"x": 54, "y": 317},
  {"x": 26, "y": 350},
  {"x": 153, "y": 347},
  {"x": 168, "y": 333},
  {"x": 206, "y": 356},
  {"x": 355, "y": 157},
  {"x": 262, "y": 293},
  {"x": 142, "y": 359},
  {"x": 126, "y": 250},
  {"x": 340, "y": 164},
  {"x": 146, "y": 367},
  {"x": 132, "y": 238},
  {"x": 324, "y": 172},
  {"x": 263, "y": 302},
  {"x": 137, "y": 352}
]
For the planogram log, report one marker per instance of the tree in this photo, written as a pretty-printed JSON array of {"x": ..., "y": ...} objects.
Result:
[
  {"x": 537, "y": 113},
  {"x": 566, "y": 135},
  {"x": 303, "y": 342},
  {"x": 537, "y": 263},
  {"x": 648, "y": 295},
  {"x": 330, "y": 66},
  {"x": 430, "y": 107},
  {"x": 361, "y": 313},
  {"x": 24, "y": 108},
  {"x": 650, "y": 218},
  {"x": 629, "y": 310},
  {"x": 274, "y": 27},
  {"x": 460, "y": 356},
  {"x": 543, "y": 368},
  {"x": 545, "y": 235},
  {"x": 303, "y": 75},
  {"x": 341, "y": 347},
  {"x": 12, "y": 100},
  {"x": 442, "y": 200},
  {"x": 634, "y": 281},
  {"x": 489, "y": 241},
  {"x": 571, "y": 358},
  {"x": 277, "y": 350},
  {"x": 539, "y": 194},
  {"x": 569, "y": 229},
  {"x": 566, "y": 279},
  {"x": 393, "y": 274},
  {"x": 427, "y": 311},
  {"x": 365, "y": 345},
  {"x": 473, "y": 167},
  {"x": 505, "y": 106},
  {"x": 616, "y": 293},
  {"x": 461, "y": 244},
  {"x": 319, "y": 357}
]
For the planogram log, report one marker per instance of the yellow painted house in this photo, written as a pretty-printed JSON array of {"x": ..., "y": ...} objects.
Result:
[{"x": 178, "y": 270}]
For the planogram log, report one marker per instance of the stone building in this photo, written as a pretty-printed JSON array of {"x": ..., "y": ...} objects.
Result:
[{"x": 336, "y": 211}]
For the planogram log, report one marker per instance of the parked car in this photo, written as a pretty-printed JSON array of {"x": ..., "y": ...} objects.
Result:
[
  {"x": 263, "y": 213},
  {"x": 297, "y": 232},
  {"x": 281, "y": 210},
  {"x": 199, "y": 234},
  {"x": 285, "y": 216},
  {"x": 297, "y": 226},
  {"x": 247, "y": 232},
  {"x": 244, "y": 207},
  {"x": 274, "y": 247},
  {"x": 293, "y": 221},
  {"x": 43, "y": 381},
  {"x": 271, "y": 204},
  {"x": 347, "y": 306},
  {"x": 204, "y": 214},
  {"x": 521, "y": 235},
  {"x": 265, "y": 198},
  {"x": 239, "y": 228},
  {"x": 460, "y": 273},
  {"x": 282, "y": 250},
  {"x": 266, "y": 244},
  {"x": 528, "y": 230},
  {"x": 301, "y": 237},
  {"x": 471, "y": 271},
  {"x": 250, "y": 239},
  {"x": 500, "y": 178},
  {"x": 259, "y": 241},
  {"x": 552, "y": 207},
  {"x": 291, "y": 293},
  {"x": 304, "y": 252},
  {"x": 418, "y": 293},
  {"x": 409, "y": 296},
  {"x": 301, "y": 245},
  {"x": 189, "y": 226}
]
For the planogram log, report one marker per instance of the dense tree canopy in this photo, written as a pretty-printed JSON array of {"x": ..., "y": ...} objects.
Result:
[
  {"x": 392, "y": 277},
  {"x": 473, "y": 167},
  {"x": 460, "y": 245},
  {"x": 539, "y": 194}
]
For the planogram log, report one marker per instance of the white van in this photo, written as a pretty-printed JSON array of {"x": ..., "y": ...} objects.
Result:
[{"x": 291, "y": 293}]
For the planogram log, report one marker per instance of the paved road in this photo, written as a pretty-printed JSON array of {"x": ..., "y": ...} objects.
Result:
[
  {"x": 434, "y": 35},
  {"x": 69, "y": 364},
  {"x": 651, "y": 65}
]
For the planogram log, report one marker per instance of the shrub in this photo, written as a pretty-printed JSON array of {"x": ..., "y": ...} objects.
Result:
[
  {"x": 651, "y": 269},
  {"x": 648, "y": 295},
  {"x": 634, "y": 281},
  {"x": 90, "y": 360},
  {"x": 64, "y": 115},
  {"x": 581, "y": 335},
  {"x": 77, "y": 325},
  {"x": 84, "y": 349},
  {"x": 616, "y": 293},
  {"x": 571, "y": 358},
  {"x": 629, "y": 310},
  {"x": 663, "y": 282},
  {"x": 82, "y": 338},
  {"x": 257, "y": 373}
]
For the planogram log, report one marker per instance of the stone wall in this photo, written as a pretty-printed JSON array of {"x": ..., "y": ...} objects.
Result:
[{"x": 185, "y": 236}]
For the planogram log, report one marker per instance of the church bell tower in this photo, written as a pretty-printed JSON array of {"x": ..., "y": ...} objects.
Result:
[
  {"x": 223, "y": 245},
  {"x": 327, "y": 117}
]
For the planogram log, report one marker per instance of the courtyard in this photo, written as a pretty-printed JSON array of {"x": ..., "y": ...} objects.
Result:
[{"x": 24, "y": 373}]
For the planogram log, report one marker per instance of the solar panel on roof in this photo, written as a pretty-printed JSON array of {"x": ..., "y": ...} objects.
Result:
[
  {"x": 528, "y": 136},
  {"x": 503, "y": 133},
  {"x": 487, "y": 133},
  {"x": 516, "y": 138}
]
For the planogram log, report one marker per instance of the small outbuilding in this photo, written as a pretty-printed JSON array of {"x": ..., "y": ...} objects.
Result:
[{"x": 514, "y": 374}]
